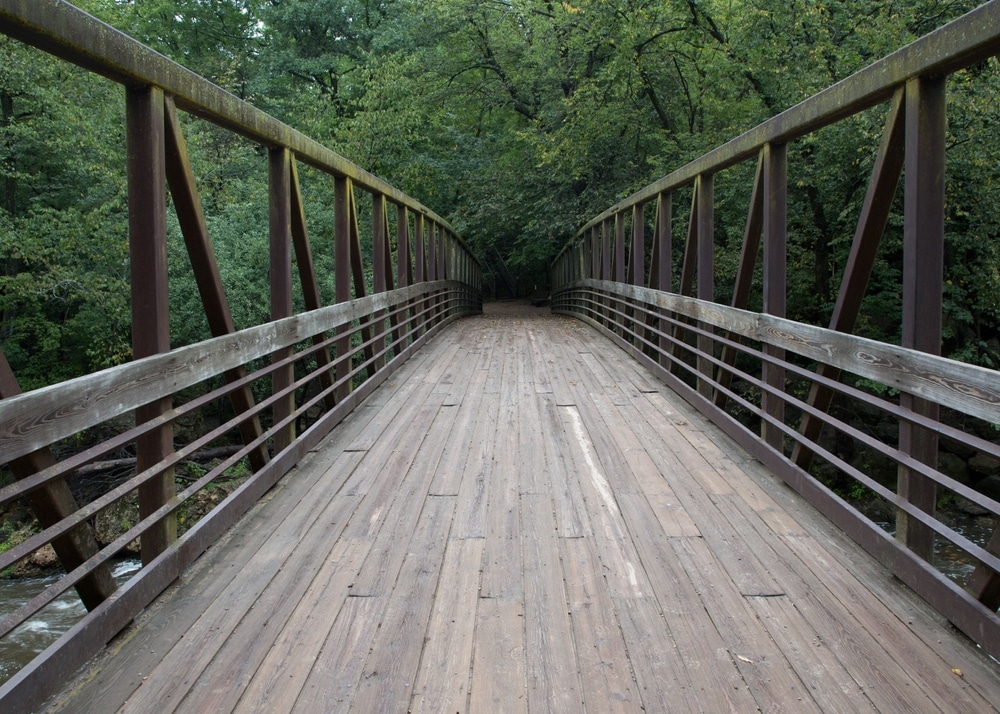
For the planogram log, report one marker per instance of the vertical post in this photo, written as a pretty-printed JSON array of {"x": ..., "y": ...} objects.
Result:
[
  {"x": 923, "y": 271},
  {"x": 706, "y": 271},
  {"x": 379, "y": 240},
  {"x": 637, "y": 267},
  {"x": 638, "y": 256},
  {"x": 342, "y": 288},
  {"x": 775, "y": 240},
  {"x": 280, "y": 212},
  {"x": 432, "y": 264},
  {"x": 595, "y": 250},
  {"x": 419, "y": 275},
  {"x": 619, "y": 259},
  {"x": 606, "y": 265},
  {"x": 663, "y": 267},
  {"x": 403, "y": 266},
  {"x": 147, "y": 221}
]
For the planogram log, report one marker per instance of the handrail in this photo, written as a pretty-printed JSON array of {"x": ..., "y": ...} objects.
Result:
[
  {"x": 750, "y": 372},
  {"x": 270, "y": 392}
]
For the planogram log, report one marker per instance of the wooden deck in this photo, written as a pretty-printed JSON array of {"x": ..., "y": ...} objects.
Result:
[{"x": 523, "y": 520}]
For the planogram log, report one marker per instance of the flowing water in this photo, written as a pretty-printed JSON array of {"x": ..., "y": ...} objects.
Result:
[{"x": 45, "y": 627}]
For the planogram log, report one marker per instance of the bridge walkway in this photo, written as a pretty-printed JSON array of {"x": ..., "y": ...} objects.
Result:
[{"x": 522, "y": 519}]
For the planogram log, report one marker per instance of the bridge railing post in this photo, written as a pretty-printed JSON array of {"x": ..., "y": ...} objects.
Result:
[
  {"x": 280, "y": 213},
  {"x": 923, "y": 269},
  {"x": 342, "y": 279},
  {"x": 775, "y": 239},
  {"x": 706, "y": 273},
  {"x": 147, "y": 219}
]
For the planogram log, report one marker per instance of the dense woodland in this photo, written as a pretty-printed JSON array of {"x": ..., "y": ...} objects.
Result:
[{"x": 516, "y": 120}]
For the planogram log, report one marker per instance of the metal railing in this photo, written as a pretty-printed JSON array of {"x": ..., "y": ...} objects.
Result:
[
  {"x": 770, "y": 382},
  {"x": 282, "y": 385}
]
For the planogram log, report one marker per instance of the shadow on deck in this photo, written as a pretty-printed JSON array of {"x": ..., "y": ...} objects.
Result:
[{"x": 523, "y": 519}]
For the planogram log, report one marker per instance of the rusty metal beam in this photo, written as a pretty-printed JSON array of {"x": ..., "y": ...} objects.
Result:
[
  {"x": 923, "y": 284},
  {"x": 775, "y": 240},
  {"x": 744, "y": 273},
  {"x": 147, "y": 222},
  {"x": 280, "y": 222},
  {"x": 343, "y": 189},
  {"x": 70, "y": 33},
  {"x": 705, "y": 188},
  {"x": 187, "y": 204},
  {"x": 864, "y": 249},
  {"x": 307, "y": 277}
]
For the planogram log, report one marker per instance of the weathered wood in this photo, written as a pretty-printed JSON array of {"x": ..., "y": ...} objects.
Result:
[
  {"x": 442, "y": 682},
  {"x": 966, "y": 388},
  {"x": 468, "y": 623},
  {"x": 54, "y": 502},
  {"x": 43, "y": 416}
]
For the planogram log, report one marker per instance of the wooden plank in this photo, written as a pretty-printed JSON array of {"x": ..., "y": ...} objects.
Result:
[
  {"x": 379, "y": 573},
  {"x": 771, "y": 679},
  {"x": 716, "y": 682},
  {"x": 567, "y": 500},
  {"x": 391, "y": 667},
  {"x": 498, "y": 666},
  {"x": 237, "y": 664},
  {"x": 334, "y": 676},
  {"x": 830, "y": 685},
  {"x": 502, "y": 561},
  {"x": 533, "y": 467},
  {"x": 450, "y": 473},
  {"x": 540, "y": 364},
  {"x": 605, "y": 670},
  {"x": 143, "y": 649},
  {"x": 178, "y": 669},
  {"x": 621, "y": 562},
  {"x": 473, "y": 496},
  {"x": 967, "y": 388},
  {"x": 866, "y": 632},
  {"x": 550, "y": 654},
  {"x": 283, "y": 673},
  {"x": 61, "y": 410},
  {"x": 387, "y": 461},
  {"x": 657, "y": 663},
  {"x": 443, "y": 681},
  {"x": 663, "y": 431}
]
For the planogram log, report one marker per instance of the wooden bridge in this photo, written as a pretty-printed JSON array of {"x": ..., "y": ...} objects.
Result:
[{"x": 453, "y": 508}]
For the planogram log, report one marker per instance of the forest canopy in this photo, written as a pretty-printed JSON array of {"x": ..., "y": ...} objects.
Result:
[{"x": 517, "y": 120}]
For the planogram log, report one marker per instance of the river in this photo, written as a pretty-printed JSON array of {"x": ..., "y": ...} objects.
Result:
[{"x": 21, "y": 646}]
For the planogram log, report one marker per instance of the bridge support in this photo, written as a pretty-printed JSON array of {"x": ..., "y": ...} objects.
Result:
[
  {"x": 147, "y": 221},
  {"x": 923, "y": 269}
]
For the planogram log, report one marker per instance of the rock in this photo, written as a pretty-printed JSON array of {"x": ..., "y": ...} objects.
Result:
[
  {"x": 984, "y": 465},
  {"x": 969, "y": 508},
  {"x": 958, "y": 448},
  {"x": 44, "y": 557},
  {"x": 990, "y": 486},
  {"x": 954, "y": 467}
]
